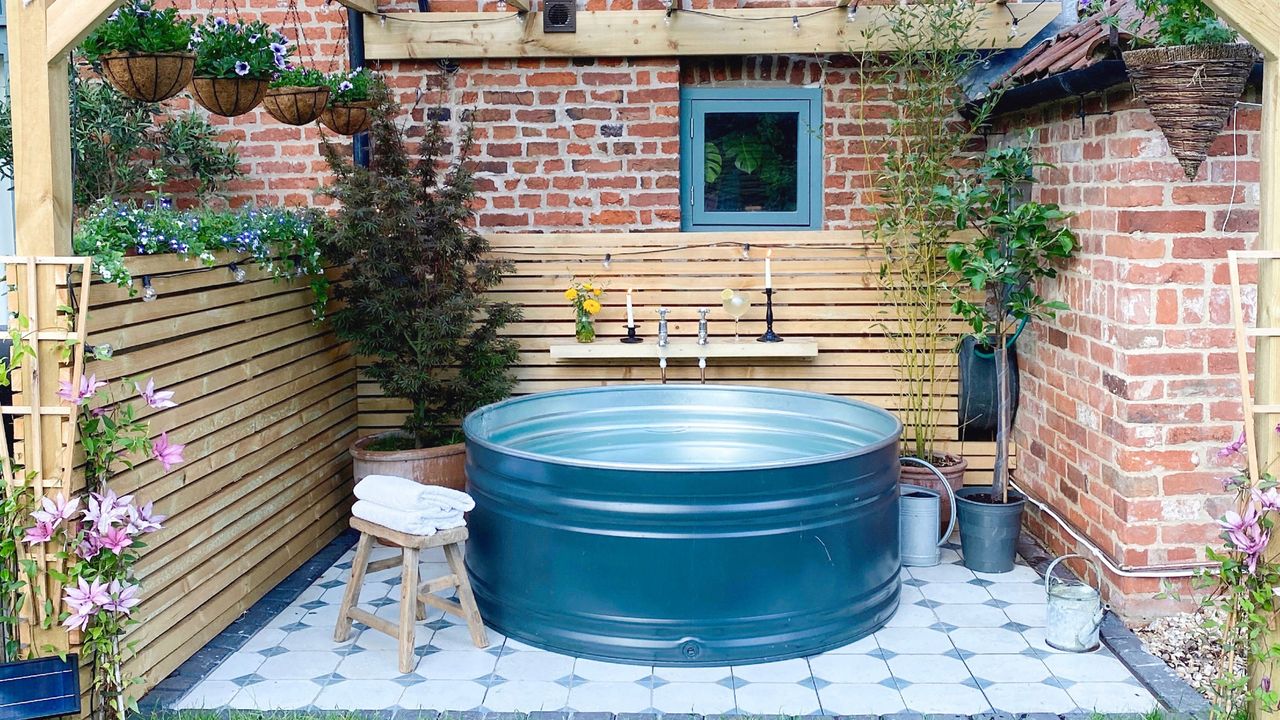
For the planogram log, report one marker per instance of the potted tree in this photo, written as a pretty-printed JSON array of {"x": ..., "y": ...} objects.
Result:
[
  {"x": 1192, "y": 77},
  {"x": 234, "y": 62},
  {"x": 350, "y": 109},
  {"x": 1014, "y": 242},
  {"x": 413, "y": 300},
  {"x": 143, "y": 52},
  {"x": 297, "y": 96}
]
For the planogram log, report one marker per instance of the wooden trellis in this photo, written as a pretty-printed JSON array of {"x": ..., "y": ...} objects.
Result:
[{"x": 51, "y": 320}]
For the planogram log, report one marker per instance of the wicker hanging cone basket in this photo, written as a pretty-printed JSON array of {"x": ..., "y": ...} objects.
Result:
[
  {"x": 228, "y": 97},
  {"x": 149, "y": 77},
  {"x": 1190, "y": 91},
  {"x": 293, "y": 105},
  {"x": 348, "y": 118}
]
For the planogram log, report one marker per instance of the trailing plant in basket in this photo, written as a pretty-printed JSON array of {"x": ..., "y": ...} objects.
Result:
[
  {"x": 359, "y": 85},
  {"x": 300, "y": 77},
  {"x": 139, "y": 27},
  {"x": 1185, "y": 22},
  {"x": 414, "y": 298},
  {"x": 232, "y": 50},
  {"x": 1015, "y": 243}
]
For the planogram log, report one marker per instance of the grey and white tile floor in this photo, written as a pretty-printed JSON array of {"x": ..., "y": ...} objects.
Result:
[{"x": 961, "y": 643}]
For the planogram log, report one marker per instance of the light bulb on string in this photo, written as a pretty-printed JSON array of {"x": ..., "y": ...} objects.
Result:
[
  {"x": 852, "y": 13},
  {"x": 608, "y": 258},
  {"x": 149, "y": 293},
  {"x": 746, "y": 251},
  {"x": 795, "y": 23},
  {"x": 238, "y": 273},
  {"x": 1013, "y": 29},
  {"x": 101, "y": 351}
]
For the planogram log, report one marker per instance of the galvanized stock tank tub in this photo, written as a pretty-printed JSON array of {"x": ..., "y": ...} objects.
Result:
[{"x": 684, "y": 524}]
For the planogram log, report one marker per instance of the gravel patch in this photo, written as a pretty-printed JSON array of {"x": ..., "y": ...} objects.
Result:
[{"x": 1193, "y": 651}]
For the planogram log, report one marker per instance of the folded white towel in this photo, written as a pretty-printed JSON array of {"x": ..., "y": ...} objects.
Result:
[
  {"x": 404, "y": 494},
  {"x": 403, "y": 521}
]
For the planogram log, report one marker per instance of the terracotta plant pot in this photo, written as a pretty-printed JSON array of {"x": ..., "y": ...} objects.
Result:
[
  {"x": 348, "y": 118},
  {"x": 952, "y": 468},
  {"x": 1190, "y": 91},
  {"x": 445, "y": 465},
  {"x": 228, "y": 97},
  {"x": 149, "y": 77},
  {"x": 293, "y": 105}
]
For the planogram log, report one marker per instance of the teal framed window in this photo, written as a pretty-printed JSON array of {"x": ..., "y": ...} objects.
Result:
[{"x": 750, "y": 158}]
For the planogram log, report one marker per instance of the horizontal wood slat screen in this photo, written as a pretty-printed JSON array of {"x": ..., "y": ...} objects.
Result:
[
  {"x": 826, "y": 283},
  {"x": 267, "y": 410}
]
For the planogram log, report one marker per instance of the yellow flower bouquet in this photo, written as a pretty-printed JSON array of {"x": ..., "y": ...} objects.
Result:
[{"x": 585, "y": 298}]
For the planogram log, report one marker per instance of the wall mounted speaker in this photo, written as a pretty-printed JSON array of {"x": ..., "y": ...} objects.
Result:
[{"x": 559, "y": 16}]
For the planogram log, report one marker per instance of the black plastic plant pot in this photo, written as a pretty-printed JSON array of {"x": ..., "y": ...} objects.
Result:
[
  {"x": 978, "y": 397},
  {"x": 989, "y": 531},
  {"x": 40, "y": 688}
]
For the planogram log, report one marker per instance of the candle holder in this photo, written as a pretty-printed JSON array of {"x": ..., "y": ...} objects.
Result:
[
  {"x": 631, "y": 338},
  {"x": 769, "y": 335}
]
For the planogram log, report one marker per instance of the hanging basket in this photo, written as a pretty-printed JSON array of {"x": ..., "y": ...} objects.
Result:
[
  {"x": 228, "y": 97},
  {"x": 294, "y": 105},
  {"x": 348, "y": 118},
  {"x": 1190, "y": 91},
  {"x": 148, "y": 77}
]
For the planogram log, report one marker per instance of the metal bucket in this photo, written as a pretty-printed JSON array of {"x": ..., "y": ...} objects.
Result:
[
  {"x": 918, "y": 512},
  {"x": 1075, "y": 611}
]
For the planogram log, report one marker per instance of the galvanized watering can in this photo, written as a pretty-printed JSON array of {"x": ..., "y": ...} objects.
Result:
[
  {"x": 918, "y": 510},
  {"x": 1075, "y": 611}
]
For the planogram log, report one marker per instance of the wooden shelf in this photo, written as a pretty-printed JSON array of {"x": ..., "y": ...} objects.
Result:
[{"x": 684, "y": 349}]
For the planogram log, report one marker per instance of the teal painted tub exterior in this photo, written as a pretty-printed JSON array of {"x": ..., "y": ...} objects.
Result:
[{"x": 684, "y": 524}]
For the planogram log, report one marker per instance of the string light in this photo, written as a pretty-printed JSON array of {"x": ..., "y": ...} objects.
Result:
[
  {"x": 608, "y": 258},
  {"x": 238, "y": 273},
  {"x": 101, "y": 351},
  {"x": 149, "y": 293},
  {"x": 746, "y": 251},
  {"x": 1013, "y": 29},
  {"x": 852, "y": 13},
  {"x": 795, "y": 23},
  {"x": 671, "y": 10}
]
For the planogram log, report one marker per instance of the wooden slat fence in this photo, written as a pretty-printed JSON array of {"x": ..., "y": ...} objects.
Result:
[
  {"x": 268, "y": 408},
  {"x": 827, "y": 287}
]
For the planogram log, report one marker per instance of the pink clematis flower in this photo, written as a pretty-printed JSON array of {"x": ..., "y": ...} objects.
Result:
[
  {"x": 1236, "y": 446},
  {"x": 106, "y": 509},
  {"x": 78, "y": 620},
  {"x": 1246, "y": 535},
  {"x": 168, "y": 453},
  {"x": 56, "y": 510},
  {"x": 123, "y": 598},
  {"x": 1235, "y": 522},
  {"x": 88, "y": 387},
  {"x": 116, "y": 539},
  {"x": 89, "y": 547},
  {"x": 87, "y": 597},
  {"x": 143, "y": 520},
  {"x": 156, "y": 398},
  {"x": 1269, "y": 500},
  {"x": 41, "y": 532}
]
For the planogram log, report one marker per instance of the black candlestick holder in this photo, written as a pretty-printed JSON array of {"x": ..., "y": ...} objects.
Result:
[
  {"x": 631, "y": 338},
  {"x": 769, "y": 335}
]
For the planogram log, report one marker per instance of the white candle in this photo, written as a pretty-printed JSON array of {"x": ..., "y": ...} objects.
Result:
[
  {"x": 631, "y": 318},
  {"x": 768, "y": 271}
]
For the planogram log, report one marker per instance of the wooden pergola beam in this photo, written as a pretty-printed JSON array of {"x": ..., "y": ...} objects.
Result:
[
  {"x": 69, "y": 21},
  {"x": 645, "y": 33},
  {"x": 523, "y": 6},
  {"x": 364, "y": 6}
]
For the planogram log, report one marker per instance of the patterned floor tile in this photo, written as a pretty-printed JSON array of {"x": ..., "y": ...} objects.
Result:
[
  {"x": 945, "y": 698},
  {"x": 855, "y": 699},
  {"x": 455, "y": 637},
  {"x": 989, "y": 669},
  {"x": 457, "y": 665},
  {"x": 939, "y": 592},
  {"x": 533, "y": 665},
  {"x": 375, "y": 640},
  {"x": 526, "y": 696},
  {"x": 699, "y": 698},
  {"x": 308, "y": 665},
  {"x": 777, "y": 699},
  {"x": 1111, "y": 697},
  {"x": 709, "y": 675},
  {"x": 312, "y": 639},
  {"x": 208, "y": 695},
  {"x": 236, "y": 665},
  {"x": 1086, "y": 667},
  {"x": 1030, "y": 614},
  {"x": 971, "y": 615},
  {"x": 929, "y": 669},
  {"x": 276, "y": 695},
  {"x": 943, "y": 573},
  {"x": 370, "y": 665},
  {"x": 988, "y": 640},
  {"x": 914, "y": 641},
  {"x": 785, "y": 671},
  {"x": 1019, "y": 573},
  {"x": 458, "y": 695},
  {"x": 913, "y": 616},
  {"x": 596, "y": 671},
  {"x": 858, "y": 647},
  {"x": 263, "y": 639},
  {"x": 1019, "y": 592},
  {"x": 617, "y": 697},
  {"x": 373, "y": 694},
  {"x": 1029, "y": 698},
  {"x": 849, "y": 669}
]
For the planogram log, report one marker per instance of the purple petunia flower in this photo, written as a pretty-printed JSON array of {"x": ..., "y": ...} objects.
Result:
[
  {"x": 279, "y": 48},
  {"x": 219, "y": 22},
  {"x": 280, "y": 62},
  {"x": 344, "y": 86},
  {"x": 242, "y": 68}
]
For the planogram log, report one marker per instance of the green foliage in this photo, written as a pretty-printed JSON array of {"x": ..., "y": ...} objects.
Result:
[
  {"x": 299, "y": 76},
  {"x": 239, "y": 49},
  {"x": 356, "y": 86},
  {"x": 122, "y": 146},
  {"x": 283, "y": 242},
  {"x": 922, "y": 150},
  {"x": 1013, "y": 244},
  {"x": 1186, "y": 22},
  {"x": 138, "y": 27},
  {"x": 414, "y": 297}
]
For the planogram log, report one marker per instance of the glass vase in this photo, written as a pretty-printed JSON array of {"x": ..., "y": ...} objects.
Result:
[{"x": 585, "y": 327}]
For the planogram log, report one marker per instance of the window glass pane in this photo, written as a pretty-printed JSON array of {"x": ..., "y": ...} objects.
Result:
[{"x": 750, "y": 162}]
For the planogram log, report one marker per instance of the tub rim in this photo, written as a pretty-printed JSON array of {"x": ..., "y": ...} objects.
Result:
[{"x": 471, "y": 419}]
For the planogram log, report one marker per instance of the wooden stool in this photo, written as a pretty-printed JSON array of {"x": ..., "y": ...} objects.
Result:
[{"x": 414, "y": 598}]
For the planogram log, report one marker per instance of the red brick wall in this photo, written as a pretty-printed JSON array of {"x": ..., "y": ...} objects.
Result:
[{"x": 1127, "y": 398}]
